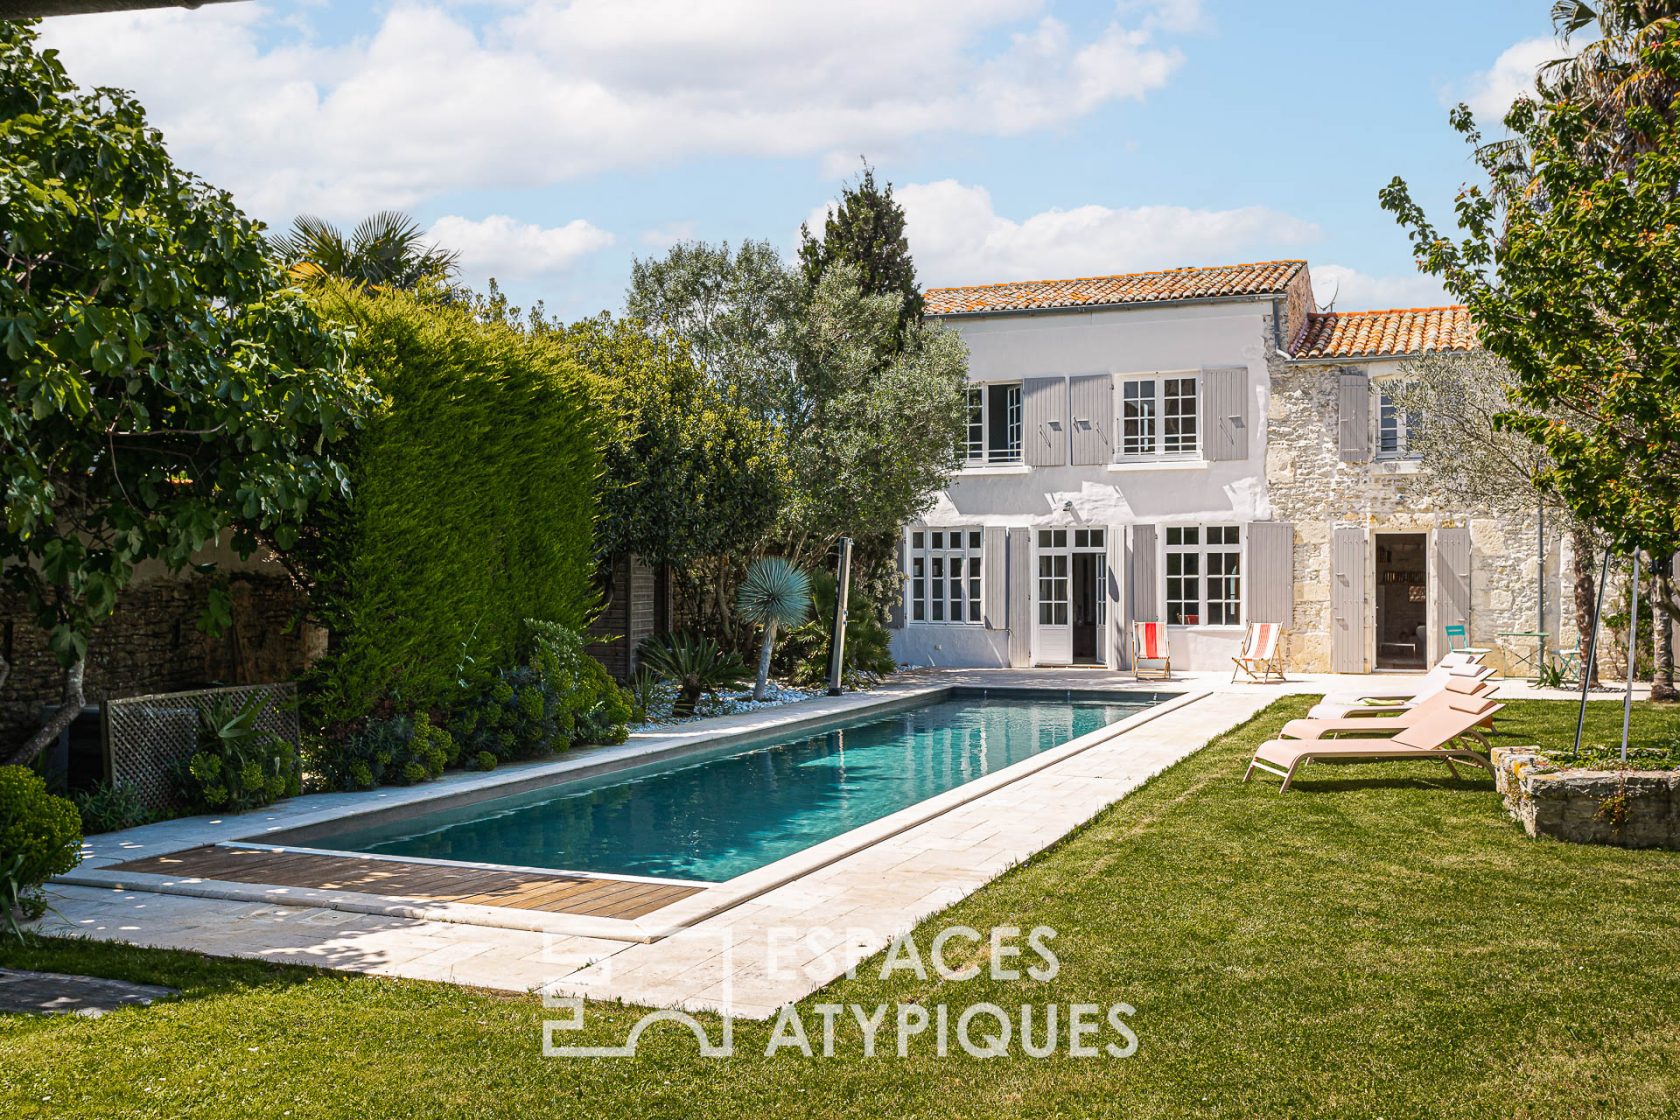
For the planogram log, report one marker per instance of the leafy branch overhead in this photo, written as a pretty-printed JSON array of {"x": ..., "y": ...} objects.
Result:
[
  {"x": 164, "y": 387},
  {"x": 1569, "y": 261}
]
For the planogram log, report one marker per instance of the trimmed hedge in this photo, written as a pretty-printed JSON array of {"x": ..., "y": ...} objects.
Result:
[{"x": 473, "y": 492}]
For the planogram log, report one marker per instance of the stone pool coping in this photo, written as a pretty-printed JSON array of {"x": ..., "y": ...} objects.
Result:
[{"x": 316, "y": 811}]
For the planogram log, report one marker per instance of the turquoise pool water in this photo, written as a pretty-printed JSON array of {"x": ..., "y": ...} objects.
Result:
[{"x": 715, "y": 816}]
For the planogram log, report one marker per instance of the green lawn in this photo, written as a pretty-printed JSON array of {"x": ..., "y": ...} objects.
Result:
[
  {"x": 1381, "y": 942},
  {"x": 1653, "y": 735}
]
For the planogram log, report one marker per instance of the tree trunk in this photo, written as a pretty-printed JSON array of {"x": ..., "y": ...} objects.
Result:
[
  {"x": 764, "y": 651},
  {"x": 54, "y": 727},
  {"x": 1662, "y": 632},
  {"x": 1582, "y": 544}
]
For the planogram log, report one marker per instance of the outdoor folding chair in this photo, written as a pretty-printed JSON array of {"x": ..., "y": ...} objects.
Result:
[{"x": 1262, "y": 654}]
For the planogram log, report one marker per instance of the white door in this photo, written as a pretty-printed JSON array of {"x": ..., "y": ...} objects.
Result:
[{"x": 1053, "y": 635}]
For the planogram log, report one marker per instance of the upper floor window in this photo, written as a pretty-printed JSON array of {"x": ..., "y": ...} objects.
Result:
[
  {"x": 1395, "y": 424},
  {"x": 994, "y": 424},
  {"x": 945, "y": 575},
  {"x": 1204, "y": 575},
  {"x": 1159, "y": 416}
]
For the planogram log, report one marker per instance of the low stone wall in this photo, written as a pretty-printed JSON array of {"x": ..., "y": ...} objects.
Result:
[{"x": 1627, "y": 808}]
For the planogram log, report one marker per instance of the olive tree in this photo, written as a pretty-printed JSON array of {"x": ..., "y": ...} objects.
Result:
[{"x": 1470, "y": 452}]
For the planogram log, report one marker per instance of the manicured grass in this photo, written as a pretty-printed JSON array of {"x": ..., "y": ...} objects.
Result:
[
  {"x": 1653, "y": 735},
  {"x": 1380, "y": 942}
]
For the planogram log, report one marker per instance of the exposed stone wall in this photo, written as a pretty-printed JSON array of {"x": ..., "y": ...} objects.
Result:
[
  {"x": 153, "y": 644},
  {"x": 1313, "y": 489},
  {"x": 1627, "y": 808}
]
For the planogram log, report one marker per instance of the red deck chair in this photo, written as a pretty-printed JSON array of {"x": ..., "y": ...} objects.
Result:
[
  {"x": 1149, "y": 643},
  {"x": 1261, "y": 656}
]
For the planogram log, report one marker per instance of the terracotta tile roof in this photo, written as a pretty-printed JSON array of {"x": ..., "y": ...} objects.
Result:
[
  {"x": 1261, "y": 278},
  {"x": 1371, "y": 334}
]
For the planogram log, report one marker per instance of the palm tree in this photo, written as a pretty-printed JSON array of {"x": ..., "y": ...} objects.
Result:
[
  {"x": 1608, "y": 76},
  {"x": 386, "y": 249},
  {"x": 775, "y": 594}
]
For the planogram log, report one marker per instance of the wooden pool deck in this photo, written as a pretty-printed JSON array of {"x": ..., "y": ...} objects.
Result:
[{"x": 477, "y": 886}]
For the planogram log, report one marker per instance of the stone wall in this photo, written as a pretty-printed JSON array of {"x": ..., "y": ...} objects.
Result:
[
  {"x": 1313, "y": 489},
  {"x": 1627, "y": 808},
  {"x": 153, "y": 644}
]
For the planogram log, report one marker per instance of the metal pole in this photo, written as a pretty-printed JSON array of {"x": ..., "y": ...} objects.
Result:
[
  {"x": 842, "y": 591},
  {"x": 1592, "y": 650},
  {"x": 1540, "y": 534},
  {"x": 1633, "y": 648}
]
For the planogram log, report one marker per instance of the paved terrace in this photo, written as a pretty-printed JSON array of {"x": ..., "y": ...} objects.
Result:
[{"x": 749, "y": 956}]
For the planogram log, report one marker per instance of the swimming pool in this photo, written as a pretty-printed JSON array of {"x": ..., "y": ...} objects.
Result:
[{"x": 720, "y": 813}]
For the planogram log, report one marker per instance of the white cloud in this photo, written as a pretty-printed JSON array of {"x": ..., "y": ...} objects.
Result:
[
  {"x": 664, "y": 236},
  {"x": 1351, "y": 290},
  {"x": 433, "y": 102},
  {"x": 1492, "y": 92},
  {"x": 501, "y": 247},
  {"x": 958, "y": 237}
]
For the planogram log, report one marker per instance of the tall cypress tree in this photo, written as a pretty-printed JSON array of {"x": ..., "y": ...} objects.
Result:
[{"x": 866, "y": 229}]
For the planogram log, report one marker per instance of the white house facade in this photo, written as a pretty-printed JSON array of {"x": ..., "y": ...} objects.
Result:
[{"x": 1122, "y": 466}]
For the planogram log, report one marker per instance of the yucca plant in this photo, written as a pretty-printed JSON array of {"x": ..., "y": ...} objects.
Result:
[
  {"x": 776, "y": 593},
  {"x": 694, "y": 665}
]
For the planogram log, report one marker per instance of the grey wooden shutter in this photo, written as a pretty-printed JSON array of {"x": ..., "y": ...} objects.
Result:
[
  {"x": 1225, "y": 413},
  {"x": 1347, "y": 601},
  {"x": 1093, "y": 419},
  {"x": 1044, "y": 421},
  {"x": 1143, "y": 593},
  {"x": 1020, "y": 597},
  {"x": 895, "y": 613},
  {"x": 1353, "y": 415},
  {"x": 1452, "y": 577},
  {"x": 1271, "y": 572},
  {"x": 996, "y": 563},
  {"x": 1115, "y": 603}
]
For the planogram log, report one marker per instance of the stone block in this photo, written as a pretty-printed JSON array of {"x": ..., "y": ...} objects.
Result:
[{"x": 1626, "y": 808}]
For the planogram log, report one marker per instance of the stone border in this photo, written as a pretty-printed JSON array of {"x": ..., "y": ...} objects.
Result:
[{"x": 1625, "y": 808}]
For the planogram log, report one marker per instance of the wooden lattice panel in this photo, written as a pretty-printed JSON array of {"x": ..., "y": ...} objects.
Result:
[{"x": 146, "y": 736}]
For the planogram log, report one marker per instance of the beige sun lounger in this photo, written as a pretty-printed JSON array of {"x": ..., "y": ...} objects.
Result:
[
  {"x": 1393, "y": 720},
  {"x": 1430, "y": 737},
  {"x": 1355, "y": 705}
]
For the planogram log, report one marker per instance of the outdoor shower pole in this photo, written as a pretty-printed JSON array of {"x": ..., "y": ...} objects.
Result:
[
  {"x": 1633, "y": 648},
  {"x": 842, "y": 591},
  {"x": 1592, "y": 651},
  {"x": 1540, "y": 534}
]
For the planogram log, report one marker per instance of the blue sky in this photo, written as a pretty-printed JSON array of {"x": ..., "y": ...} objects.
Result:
[{"x": 553, "y": 142}]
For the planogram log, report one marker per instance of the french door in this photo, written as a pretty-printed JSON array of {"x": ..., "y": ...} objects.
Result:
[
  {"x": 1072, "y": 606},
  {"x": 1053, "y": 642}
]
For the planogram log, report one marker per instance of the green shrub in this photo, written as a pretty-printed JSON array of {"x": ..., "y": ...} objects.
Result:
[
  {"x": 484, "y": 760},
  {"x": 650, "y": 694},
  {"x": 473, "y": 499},
  {"x": 597, "y": 710},
  {"x": 238, "y": 765},
  {"x": 517, "y": 715},
  {"x": 868, "y": 656},
  {"x": 110, "y": 808},
  {"x": 397, "y": 750},
  {"x": 695, "y": 666},
  {"x": 40, "y": 836}
]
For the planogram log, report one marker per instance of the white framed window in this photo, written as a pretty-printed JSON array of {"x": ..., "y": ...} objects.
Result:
[
  {"x": 1160, "y": 417},
  {"x": 994, "y": 423},
  {"x": 945, "y": 567},
  {"x": 1395, "y": 423},
  {"x": 1203, "y": 575}
]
